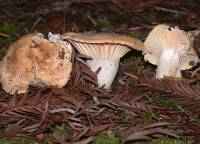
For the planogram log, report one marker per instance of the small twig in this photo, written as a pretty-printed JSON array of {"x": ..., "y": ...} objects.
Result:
[
  {"x": 74, "y": 27},
  {"x": 91, "y": 20},
  {"x": 136, "y": 28},
  {"x": 190, "y": 81},
  {"x": 170, "y": 10},
  {"x": 84, "y": 141},
  {"x": 4, "y": 35},
  {"x": 130, "y": 75},
  {"x": 36, "y": 23},
  {"x": 183, "y": 110},
  {"x": 195, "y": 72}
]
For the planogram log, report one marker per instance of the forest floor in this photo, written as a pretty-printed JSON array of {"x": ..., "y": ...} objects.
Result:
[{"x": 138, "y": 109}]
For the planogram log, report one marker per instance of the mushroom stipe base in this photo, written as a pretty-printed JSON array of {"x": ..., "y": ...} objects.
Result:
[
  {"x": 108, "y": 70},
  {"x": 168, "y": 64}
]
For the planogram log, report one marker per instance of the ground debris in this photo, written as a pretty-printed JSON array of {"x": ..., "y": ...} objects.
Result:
[
  {"x": 139, "y": 108},
  {"x": 40, "y": 109}
]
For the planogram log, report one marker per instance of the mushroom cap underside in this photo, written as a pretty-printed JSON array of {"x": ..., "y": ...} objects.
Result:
[
  {"x": 163, "y": 37},
  {"x": 103, "y": 45},
  {"x": 186, "y": 62}
]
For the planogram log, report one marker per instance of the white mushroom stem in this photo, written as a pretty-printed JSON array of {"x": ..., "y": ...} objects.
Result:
[
  {"x": 168, "y": 64},
  {"x": 108, "y": 70}
]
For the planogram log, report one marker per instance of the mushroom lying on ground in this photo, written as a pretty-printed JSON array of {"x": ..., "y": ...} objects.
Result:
[
  {"x": 33, "y": 60},
  {"x": 169, "y": 48},
  {"x": 52, "y": 60},
  {"x": 16, "y": 68},
  {"x": 105, "y": 50}
]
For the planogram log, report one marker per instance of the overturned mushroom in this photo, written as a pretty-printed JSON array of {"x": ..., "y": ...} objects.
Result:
[
  {"x": 16, "y": 68},
  {"x": 33, "y": 60},
  {"x": 52, "y": 61},
  {"x": 105, "y": 50},
  {"x": 169, "y": 48}
]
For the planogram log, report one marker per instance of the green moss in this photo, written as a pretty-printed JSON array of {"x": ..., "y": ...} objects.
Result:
[
  {"x": 148, "y": 116},
  {"x": 137, "y": 59},
  {"x": 162, "y": 101},
  {"x": 137, "y": 62},
  {"x": 62, "y": 128},
  {"x": 7, "y": 27},
  {"x": 172, "y": 104},
  {"x": 9, "y": 141},
  {"x": 166, "y": 140},
  {"x": 49, "y": 136},
  {"x": 106, "y": 138},
  {"x": 126, "y": 117},
  {"x": 150, "y": 15},
  {"x": 8, "y": 41},
  {"x": 5, "y": 43},
  {"x": 196, "y": 84},
  {"x": 104, "y": 24}
]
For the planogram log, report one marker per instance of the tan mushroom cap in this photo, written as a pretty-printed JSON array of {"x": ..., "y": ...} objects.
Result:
[
  {"x": 52, "y": 61},
  {"x": 162, "y": 37},
  {"x": 33, "y": 60},
  {"x": 103, "y": 45},
  {"x": 105, "y": 38},
  {"x": 17, "y": 66}
]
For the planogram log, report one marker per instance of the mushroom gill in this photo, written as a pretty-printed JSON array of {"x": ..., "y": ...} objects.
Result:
[
  {"x": 105, "y": 51},
  {"x": 169, "y": 48}
]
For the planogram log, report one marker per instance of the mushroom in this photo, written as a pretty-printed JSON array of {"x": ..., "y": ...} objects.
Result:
[
  {"x": 52, "y": 60},
  {"x": 169, "y": 48},
  {"x": 16, "y": 68},
  {"x": 33, "y": 60},
  {"x": 105, "y": 51}
]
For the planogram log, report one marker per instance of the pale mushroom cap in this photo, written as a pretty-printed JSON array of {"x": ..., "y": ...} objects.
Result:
[
  {"x": 103, "y": 45},
  {"x": 166, "y": 37}
]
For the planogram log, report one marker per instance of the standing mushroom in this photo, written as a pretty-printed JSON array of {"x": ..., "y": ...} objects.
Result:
[
  {"x": 169, "y": 48},
  {"x": 105, "y": 50}
]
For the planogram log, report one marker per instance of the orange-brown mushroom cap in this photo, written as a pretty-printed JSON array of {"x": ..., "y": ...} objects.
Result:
[{"x": 33, "y": 60}]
